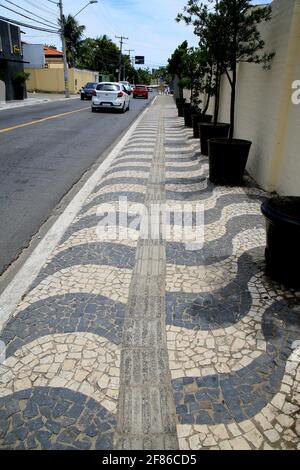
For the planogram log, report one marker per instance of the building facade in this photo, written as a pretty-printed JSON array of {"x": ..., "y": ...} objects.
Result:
[
  {"x": 46, "y": 68},
  {"x": 51, "y": 80},
  {"x": 39, "y": 56},
  {"x": 11, "y": 61}
]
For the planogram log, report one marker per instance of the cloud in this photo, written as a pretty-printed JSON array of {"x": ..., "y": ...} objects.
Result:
[{"x": 150, "y": 26}]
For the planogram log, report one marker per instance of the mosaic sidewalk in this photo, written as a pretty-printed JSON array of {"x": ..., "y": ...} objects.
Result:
[{"x": 127, "y": 341}]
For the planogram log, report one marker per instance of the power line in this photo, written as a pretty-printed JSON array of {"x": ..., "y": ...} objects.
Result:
[
  {"x": 103, "y": 9},
  {"x": 26, "y": 25},
  {"x": 42, "y": 8},
  {"x": 31, "y": 13},
  {"x": 38, "y": 36},
  {"x": 25, "y": 16}
]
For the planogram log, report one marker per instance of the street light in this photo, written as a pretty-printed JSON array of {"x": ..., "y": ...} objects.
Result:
[
  {"x": 89, "y": 3},
  {"x": 63, "y": 40}
]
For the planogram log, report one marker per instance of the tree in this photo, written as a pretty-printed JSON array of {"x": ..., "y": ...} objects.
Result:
[
  {"x": 208, "y": 27},
  {"x": 142, "y": 76},
  {"x": 128, "y": 69},
  {"x": 51, "y": 46},
  {"x": 177, "y": 65},
  {"x": 230, "y": 35},
  {"x": 199, "y": 77},
  {"x": 73, "y": 33},
  {"x": 161, "y": 72},
  {"x": 99, "y": 54},
  {"x": 103, "y": 55}
]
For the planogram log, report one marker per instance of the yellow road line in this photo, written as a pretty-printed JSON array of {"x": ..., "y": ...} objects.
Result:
[{"x": 37, "y": 121}]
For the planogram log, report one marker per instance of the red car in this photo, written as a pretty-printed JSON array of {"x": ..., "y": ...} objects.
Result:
[{"x": 140, "y": 91}]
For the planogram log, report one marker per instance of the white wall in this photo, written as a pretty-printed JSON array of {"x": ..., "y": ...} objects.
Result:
[
  {"x": 264, "y": 111},
  {"x": 2, "y": 91}
]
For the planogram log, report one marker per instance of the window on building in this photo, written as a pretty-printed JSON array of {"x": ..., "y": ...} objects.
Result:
[{"x": 1, "y": 47}]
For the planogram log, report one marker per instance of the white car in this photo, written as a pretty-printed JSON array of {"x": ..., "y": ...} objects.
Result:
[
  {"x": 127, "y": 86},
  {"x": 110, "y": 95}
]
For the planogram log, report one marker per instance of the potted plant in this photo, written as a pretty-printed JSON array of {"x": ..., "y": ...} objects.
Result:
[
  {"x": 176, "y": 68},
  {"x": 207, "y": 27},
  {"x": 208, "y": 129},
  {"x": 19, "y": 80},
  {"x": 200, "y": 73},
  {"x": 241, "y": 42},
  {"x": 283, "y": 234},
  {"x": 207, "y": 88}
]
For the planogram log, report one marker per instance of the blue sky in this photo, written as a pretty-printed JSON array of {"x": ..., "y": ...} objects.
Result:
[{"x": 149, "y": 25}]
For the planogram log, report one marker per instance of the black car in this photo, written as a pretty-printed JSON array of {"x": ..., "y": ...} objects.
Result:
[{"x": 86, "y": 91}]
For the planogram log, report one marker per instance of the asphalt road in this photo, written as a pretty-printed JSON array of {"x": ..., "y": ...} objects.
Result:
[{"x": 41, "y": 162}]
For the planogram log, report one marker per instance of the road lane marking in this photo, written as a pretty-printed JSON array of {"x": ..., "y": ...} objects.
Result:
[
  {"x": 37, "y": 121},
  {"x": 21, "y": 282}
]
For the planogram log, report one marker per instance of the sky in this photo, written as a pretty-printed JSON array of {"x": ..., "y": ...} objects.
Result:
[{"x": 150, "y": 26}]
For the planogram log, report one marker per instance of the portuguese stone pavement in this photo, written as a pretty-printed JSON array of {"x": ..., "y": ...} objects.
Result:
[{"x": 131, "y": 338}]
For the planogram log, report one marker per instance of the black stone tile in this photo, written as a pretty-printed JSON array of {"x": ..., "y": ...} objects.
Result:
[
  {"x": 45, "y": 433},
  {"x": 64, "y": 314}
]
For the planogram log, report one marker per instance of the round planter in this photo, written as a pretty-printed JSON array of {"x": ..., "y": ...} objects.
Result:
[
  {"x": 19, "y": 90},
  {"x": 196, "y": 119},
  {"x": 180, "y": 109},
  {"x": 187, "y": 114},
  {"x": 227, "y": 160},
  {"x": 180, "y": 101},
  {"x": 283, "y": 235},
  {"x": 210, "y": 131}
]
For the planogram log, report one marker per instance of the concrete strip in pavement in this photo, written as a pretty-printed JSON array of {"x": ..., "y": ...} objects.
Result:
[
  {"x": 146, "y": 412},
  {"x": 18, "y": 287}
]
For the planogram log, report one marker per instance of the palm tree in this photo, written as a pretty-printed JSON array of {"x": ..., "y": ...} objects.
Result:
[{"x": 73, "y": 33}]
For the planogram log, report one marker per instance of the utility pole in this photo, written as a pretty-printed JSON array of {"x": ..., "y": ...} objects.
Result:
[
  {"x": 129, "y": 53},
  {"x": 64, "y": 49},
  {"x": 121, "y": 48}
]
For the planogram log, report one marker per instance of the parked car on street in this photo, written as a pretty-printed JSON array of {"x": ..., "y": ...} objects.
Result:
[
  {"x": 110, "y": 95},
  {"x": 86, "y": 91},
  {"x": 140, "y": 91}
]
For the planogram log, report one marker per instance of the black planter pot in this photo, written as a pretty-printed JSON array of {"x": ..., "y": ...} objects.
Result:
[
  {"x": 188, "y": 110},
  {"x": 197, "y": 119},
  {"x": 180, "y": 101},
  {"x": 283, "y": 235},
  {"x": 211, "y": 131},
  {"x": 19, "y": 91},
  {"x": 180, "y": 109},
  {"x": 227, "y": 160}
]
